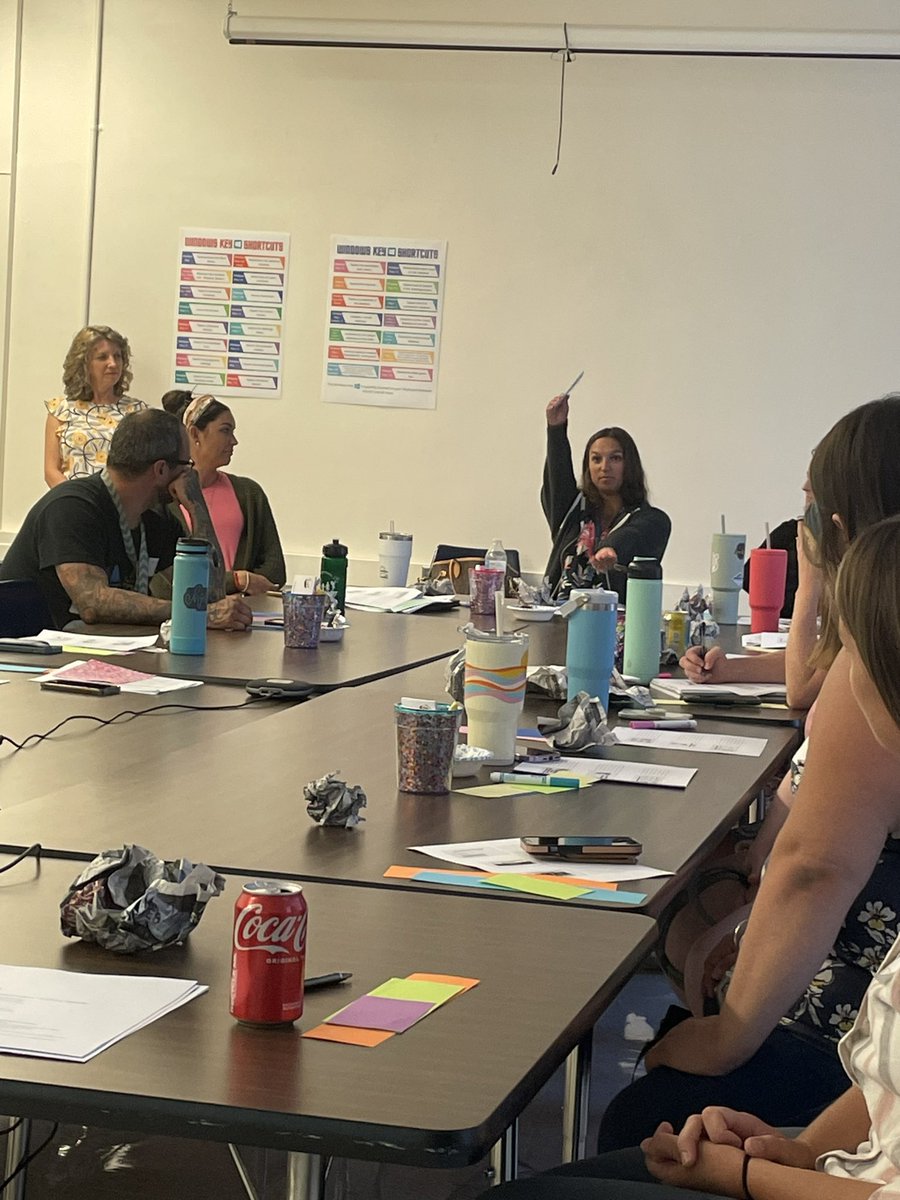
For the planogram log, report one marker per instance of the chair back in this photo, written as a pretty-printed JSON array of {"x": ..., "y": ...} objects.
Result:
[
  {"x": 454, "y": 563},
  {"x": 23, "y": 609}
]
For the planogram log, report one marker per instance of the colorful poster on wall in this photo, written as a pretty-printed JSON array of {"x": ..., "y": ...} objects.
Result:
[
  {"x": 229, "y": 316},
  {"x": 385, "y": 299}
]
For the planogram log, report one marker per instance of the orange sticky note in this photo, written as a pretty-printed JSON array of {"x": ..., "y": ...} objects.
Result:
[{"x": 349, "y": 1034}]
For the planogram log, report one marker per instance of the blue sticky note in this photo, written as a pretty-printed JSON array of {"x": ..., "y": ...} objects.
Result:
[
  {"x": 456, "y": 880},
  {"x": 608, "y": 896}
]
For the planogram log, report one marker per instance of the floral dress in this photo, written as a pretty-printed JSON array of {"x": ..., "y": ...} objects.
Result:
[{"x": 85, "y": 431}]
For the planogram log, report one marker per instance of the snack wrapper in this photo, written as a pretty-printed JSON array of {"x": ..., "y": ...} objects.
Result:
[
  {"x": 330, "y": 801},
  {"x": 531, "y": 596},
  {"x": 455, "y": 676},
  {"x": 129, "y": 900}
]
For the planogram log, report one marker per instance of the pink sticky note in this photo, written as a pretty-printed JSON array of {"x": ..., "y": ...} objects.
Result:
[{"x": 381, "y": 1012}]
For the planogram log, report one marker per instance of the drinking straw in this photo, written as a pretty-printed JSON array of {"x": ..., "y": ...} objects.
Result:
[
  {"x": 768, "y": 538},
  {"x": 723, "y": 522}
]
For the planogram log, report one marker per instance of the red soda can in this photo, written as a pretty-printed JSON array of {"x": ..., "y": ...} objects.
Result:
[{"x": 268, "y": 955}]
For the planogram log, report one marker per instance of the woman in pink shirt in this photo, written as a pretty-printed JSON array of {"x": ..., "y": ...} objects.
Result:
[{"x": 238, "y": 506}]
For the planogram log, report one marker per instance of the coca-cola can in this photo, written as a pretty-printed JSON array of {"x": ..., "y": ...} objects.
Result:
[{"x": 268, "y": 954}]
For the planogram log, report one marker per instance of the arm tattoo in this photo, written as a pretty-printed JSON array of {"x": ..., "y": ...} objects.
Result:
[{"x": 98, "y": 603}]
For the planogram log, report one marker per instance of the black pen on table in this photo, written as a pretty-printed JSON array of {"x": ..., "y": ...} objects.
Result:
[{"x": 318, "y": 981}]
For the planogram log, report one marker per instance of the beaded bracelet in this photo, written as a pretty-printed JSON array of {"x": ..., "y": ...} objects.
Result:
[{"x": 745, "y": 1170}]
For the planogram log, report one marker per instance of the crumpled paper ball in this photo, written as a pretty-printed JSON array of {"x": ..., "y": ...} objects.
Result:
[
  {"x": 128, "y": 900},
  {"x": 330, "y": 801},
  {"x": 580, "y": 725},
  {"x": 551, "y": 681}
]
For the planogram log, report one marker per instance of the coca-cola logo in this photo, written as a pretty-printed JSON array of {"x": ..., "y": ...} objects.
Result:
[{"x": 274, "y": 935}]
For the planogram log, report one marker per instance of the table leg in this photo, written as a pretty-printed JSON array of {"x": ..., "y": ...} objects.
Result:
[
  {"x": 577, "y": 1101},
  {"x": 305, "y": 1177},
  {"x": 505, "y": 1156},
  {"x": 16, "y": 1149}
]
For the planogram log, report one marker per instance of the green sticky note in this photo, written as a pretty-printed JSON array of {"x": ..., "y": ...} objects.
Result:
[
  {"x": 416, "y": 989},
  {"x": 508, "y": 789},
  {"x": 538, "y": 887}
]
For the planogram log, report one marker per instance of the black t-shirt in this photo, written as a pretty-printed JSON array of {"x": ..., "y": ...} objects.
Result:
[{"x": 77, "y": 522}]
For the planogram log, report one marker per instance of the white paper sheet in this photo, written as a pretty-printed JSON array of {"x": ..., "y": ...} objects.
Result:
[
  {"x": 764, "y": 641},
  {"x": 152, "y": 685},
  {"x": 677, "y": 688},
  {"x": 601, "y": 770},
  {"x": 505, "y": 855},
  {"x": 702, "y": 743},
  {"x": 394, "y": 599},
  {"x": 72, "y": 1016},
  {"x": 95, "y": 641}
]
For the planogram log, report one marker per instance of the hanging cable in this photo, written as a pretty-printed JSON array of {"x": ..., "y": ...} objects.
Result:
[{"x": 566, "y": 58}]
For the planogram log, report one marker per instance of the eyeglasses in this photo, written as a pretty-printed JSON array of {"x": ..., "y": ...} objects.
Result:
[{"x": 180, "y": 462}]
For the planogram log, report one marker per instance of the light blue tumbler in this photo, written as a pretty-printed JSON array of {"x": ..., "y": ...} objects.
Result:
[
  {"x": 190, "y": 590},
  {"x": 591, "y": 643},
  {"x": 643, "y": 619}
]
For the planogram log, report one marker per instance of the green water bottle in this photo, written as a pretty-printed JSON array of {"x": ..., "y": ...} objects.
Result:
[{"x": 333, "y": 571}]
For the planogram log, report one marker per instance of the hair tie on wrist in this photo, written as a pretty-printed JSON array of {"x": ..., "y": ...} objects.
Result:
[{"x": 745, "y": 1170}]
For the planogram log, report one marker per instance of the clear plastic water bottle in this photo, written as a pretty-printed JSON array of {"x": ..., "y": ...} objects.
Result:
[{"x": 495, "y": 559}]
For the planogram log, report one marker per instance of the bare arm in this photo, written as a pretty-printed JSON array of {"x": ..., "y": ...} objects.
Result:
[
  {"x": 847, "y": 804},
  {"x": 714, "y": 667},
  {"x": 52, "y": 459},
  {"x": 803, "y": 681}
]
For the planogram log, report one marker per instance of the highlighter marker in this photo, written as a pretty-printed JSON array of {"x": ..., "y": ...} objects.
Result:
[
  {"x": 662, "y": 724},
  {"x": 563, "y": 781}
]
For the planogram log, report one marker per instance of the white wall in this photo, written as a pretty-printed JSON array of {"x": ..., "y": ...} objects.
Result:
[{"x": 718, "y": 251}]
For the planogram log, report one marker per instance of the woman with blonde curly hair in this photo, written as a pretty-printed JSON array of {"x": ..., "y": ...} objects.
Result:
[{"x": 80, "y": 424}]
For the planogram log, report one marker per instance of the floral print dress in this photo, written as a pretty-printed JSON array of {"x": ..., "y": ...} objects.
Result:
[{"x": 85, "y": 431}]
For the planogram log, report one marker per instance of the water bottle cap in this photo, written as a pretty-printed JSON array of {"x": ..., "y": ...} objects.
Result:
[
  {"x": 596, "y": 598},
  {"x": 334, "y": 549},
  {"x": 192, "y": 545},
  {"x": 644, "y": 568}
]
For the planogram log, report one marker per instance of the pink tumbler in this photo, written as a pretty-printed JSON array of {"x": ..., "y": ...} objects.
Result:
[{"x": 768, "y": 574}]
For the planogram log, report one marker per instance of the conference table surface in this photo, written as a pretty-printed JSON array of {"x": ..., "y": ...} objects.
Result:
[
  {"x": 438, "y": 1095},
  {"x": 374, "y": 645},
  {"x": 236, "y": 800},
  {"x": 83, "y": 749}
]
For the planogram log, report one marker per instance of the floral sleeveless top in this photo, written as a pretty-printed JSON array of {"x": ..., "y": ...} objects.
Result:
[{"x": 86, "y": 430}]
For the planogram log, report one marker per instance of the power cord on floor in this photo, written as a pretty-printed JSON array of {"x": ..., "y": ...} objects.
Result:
[{"x": 29, "y": 1158}]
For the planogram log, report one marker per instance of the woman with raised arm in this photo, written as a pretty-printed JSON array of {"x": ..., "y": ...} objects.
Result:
[{"x": 602, "y": 521}]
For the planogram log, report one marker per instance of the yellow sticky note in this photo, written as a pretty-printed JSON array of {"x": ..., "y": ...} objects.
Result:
[
  {"x": 492, "y": 790},
  {"x": 538, "y": 887},
  {"x": 416, "y": 989},
  {"x": 456, "y": 980}
]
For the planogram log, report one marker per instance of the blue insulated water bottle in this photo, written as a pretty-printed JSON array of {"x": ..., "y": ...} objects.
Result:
[
  {"x": 190, "y": 592},
  {"x": 591, "y": 644},
  {"x": 643, "y": 619}
]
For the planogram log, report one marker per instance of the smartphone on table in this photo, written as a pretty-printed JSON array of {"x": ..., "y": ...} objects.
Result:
[
  {"x": 584, "y": 847},
  {"x": 83, "y": 687}
]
